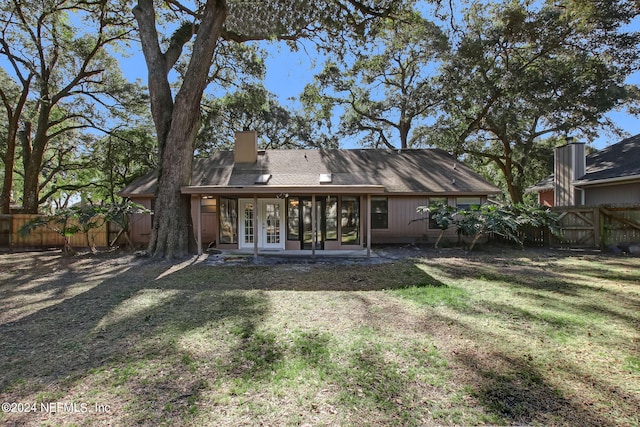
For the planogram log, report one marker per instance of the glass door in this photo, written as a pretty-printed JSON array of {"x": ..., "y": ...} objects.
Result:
[
  {"x": 307, "y": 224},
  {"x": 247, "y": 217},
  {"x": 271, "y": 224}
]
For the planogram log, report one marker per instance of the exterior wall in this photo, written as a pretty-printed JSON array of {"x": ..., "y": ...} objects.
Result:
[
  {"x": 140, "y": 225},
  {"x": 613, "y": 194},
  {"x": 570, "y": 164},
  {"x": 402, "y": 227},
  {"x": 545, "y": 198},
  {"x": 401, "y": 211}
]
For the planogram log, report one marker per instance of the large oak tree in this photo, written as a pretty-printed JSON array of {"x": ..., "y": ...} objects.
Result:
[
  {"x": 521, "y": 74},
  {"x": 200, "y": 27},
  {"x": 389, "y": 87},
  {"x": 67, "y": 80}
]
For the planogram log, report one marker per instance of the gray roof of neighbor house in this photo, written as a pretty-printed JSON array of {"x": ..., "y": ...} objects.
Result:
[
  {"x": 427, "y": 171},
  {"x": 619, "y": 161}
]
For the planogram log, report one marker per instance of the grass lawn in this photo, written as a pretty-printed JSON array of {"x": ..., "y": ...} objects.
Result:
[{"x": 497, "y": 337}]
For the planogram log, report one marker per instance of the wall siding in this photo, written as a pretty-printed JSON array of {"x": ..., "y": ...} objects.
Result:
[
  {"x": 613, "y": 194},
  {"x": 140, "y": 225},
  {"x": 569, "y": 166},
  {"x": 402, "y": 227}
]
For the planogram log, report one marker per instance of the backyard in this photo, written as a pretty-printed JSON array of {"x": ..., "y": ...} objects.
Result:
[{"x": 427, "y": 337}]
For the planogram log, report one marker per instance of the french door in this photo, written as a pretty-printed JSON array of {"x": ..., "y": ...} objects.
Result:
[
  {"x": 307, "y": 223},
  {"x": 271, "y": 223},
  {"x": 269, "y": 217}
]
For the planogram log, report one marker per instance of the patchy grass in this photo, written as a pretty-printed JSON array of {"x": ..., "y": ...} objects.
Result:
[{"x": 442, "y": 338}]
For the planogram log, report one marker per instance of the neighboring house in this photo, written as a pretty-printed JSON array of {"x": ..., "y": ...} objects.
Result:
[
  {"x": 315, "y": 199},
  {"x": 608, "y": 176}
]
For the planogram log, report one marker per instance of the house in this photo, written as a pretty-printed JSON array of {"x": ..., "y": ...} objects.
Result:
[
  {"x": 608, "y": 176},
  {"x": 315, "y": 199}
]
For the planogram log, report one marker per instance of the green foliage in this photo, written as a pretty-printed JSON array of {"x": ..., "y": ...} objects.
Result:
[
  {"x": 507, "y": 221},
  {"x": 123, "y": 156},
  {"x": 61, "y": 223},
  {"x": 522, "y": 73},
  {"x": 68, "y": 222},
  {"x": 388, "y": 87},
  {"x": 253, "y": 107},
  {"x": 70, "y": 82}
]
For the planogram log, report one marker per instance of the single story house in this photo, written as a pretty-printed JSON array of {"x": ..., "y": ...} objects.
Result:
[
  {"x": 315, "y": 199},
  {"x": 608, "y": 176}
]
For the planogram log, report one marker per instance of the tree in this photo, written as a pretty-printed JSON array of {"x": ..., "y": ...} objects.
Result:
[
  {"x": 390, "y": 85},
  {"x": 520, "y": 75},
  {"x": 124, "y": 155},
  {"x": 57, "y": 52},
  {"x": 252, "y": 107},
  {"x": 14, "y": 100},
  {"x": 177, "y": 118}
]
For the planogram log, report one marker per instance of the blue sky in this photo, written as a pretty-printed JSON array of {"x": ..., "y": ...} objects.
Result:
[{"x": 288, "y": 72}]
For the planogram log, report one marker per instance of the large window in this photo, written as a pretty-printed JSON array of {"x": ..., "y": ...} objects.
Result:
[
  {"x": 350, "y": 220},
  {"x": 331, "y": 213},
  {"x": 467, "y": 202},
  {"x": 379, "y": 213},
  {"x": 293, "y": 218},
  {"x": 228, "y": 220}
]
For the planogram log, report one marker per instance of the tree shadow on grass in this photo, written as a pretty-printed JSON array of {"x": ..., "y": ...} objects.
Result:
[
  {"x": 515, "y": 391},
  {"x": 126, "y": 326}
]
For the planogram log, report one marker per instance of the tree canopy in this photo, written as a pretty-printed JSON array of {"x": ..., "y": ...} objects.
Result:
[
  {"x": 65, "y": 81},
  {"x": 389, "y": 84},
  {"x": 520, "y": 74}
]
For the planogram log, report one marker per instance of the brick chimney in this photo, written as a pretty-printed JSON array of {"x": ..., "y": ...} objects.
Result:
[
  {"x": 246, "y": 147},
  {"x": 570, "y": 165}
]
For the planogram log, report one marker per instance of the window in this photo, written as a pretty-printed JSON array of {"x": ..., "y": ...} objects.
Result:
[
  {"x": 293, "y": 218},
  {"x": 331, "y": 214},
  {"x": 350, "y": 220},
  {"x": 379, "y": 213},
  {"x": 249, "y": 217},
  {"x": 228, "y": 220},
  {"x": 467, "y": 202},
  {"x": 208, "y": 205}
]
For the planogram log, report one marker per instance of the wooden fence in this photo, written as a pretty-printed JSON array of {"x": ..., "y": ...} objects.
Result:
[
  {"x": 592, "y": 227},
  {"x": 43, "y": 237}
]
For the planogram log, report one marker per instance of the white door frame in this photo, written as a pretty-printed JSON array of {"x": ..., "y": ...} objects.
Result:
[
  {"x": 245, "y": 234},
  {"x": 246, "y": 229},
  {"x": 270, "y": 234}
]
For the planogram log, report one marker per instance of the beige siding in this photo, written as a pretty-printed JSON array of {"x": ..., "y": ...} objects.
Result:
[
  {"x": 140, "y": 226},
  {"x": 613, "y": 194},
  {"x": 402, "y": 211},
  {"x": 569, "y": 166}
]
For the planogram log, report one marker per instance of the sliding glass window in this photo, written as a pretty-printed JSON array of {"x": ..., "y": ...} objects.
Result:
[
  {"x": 331, "y": 213},
  {"x": 228, "y": 220},
  {"x": 350, "y": 220},
  {"x": 293, "y": 218}
]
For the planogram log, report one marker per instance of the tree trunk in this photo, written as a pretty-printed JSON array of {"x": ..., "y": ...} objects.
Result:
[
  {"x": 176, "y": 123},
  {"x": 33, "y": 153},
  {"x": 9, "y": 159}
]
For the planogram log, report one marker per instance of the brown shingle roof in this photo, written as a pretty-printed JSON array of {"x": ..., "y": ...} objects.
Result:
[{"x": 428, "y": 171}]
